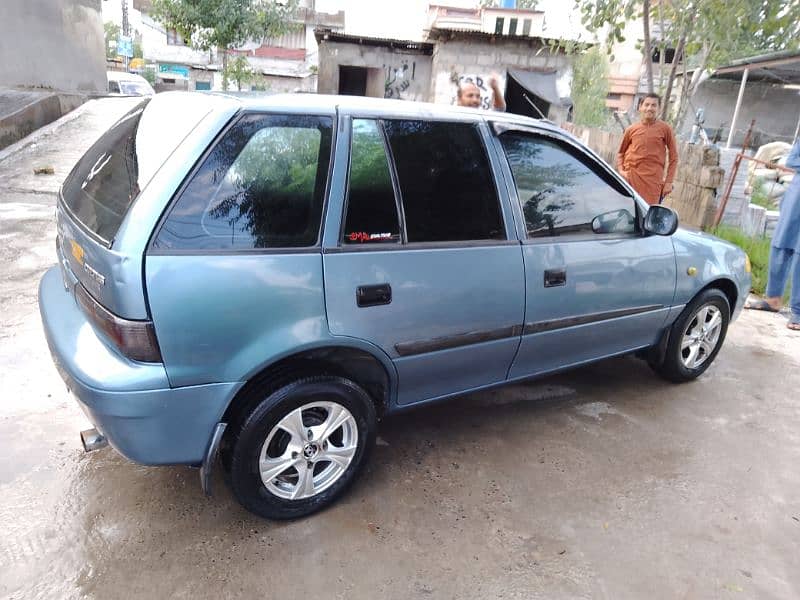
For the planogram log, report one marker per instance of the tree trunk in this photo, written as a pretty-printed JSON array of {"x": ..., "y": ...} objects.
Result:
[
  {"x": 672, "y": 72},
  {"x": 690, "y": 87},
  {"x": 224, "y": 69},
  {"x": 688, "y": 26},
  {"x": 648, "y": 49}
]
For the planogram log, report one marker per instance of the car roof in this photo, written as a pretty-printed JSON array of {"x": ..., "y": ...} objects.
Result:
[
  {"x": 123, "y": 76},
  {"x": 374, "y": 107}
]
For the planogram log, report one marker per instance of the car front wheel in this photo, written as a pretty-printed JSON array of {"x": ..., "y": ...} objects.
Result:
[
  {"x": 301, "y": 447},
  {"x": 696, "y": 337}
]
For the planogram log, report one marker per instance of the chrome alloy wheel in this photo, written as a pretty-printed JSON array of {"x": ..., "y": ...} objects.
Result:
[
  {"x": 308, "y": 450},
  {"x": 701, "y": 336}
]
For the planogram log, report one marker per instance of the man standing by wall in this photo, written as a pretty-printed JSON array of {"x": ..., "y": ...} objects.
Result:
[{"x": 643, "y": 153}]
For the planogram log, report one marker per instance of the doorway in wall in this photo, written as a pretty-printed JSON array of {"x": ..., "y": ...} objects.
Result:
[{"x": 352, "y": 81}]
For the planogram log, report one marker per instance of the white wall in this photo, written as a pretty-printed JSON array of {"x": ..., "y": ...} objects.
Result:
[{"x": 56, "y": 44}]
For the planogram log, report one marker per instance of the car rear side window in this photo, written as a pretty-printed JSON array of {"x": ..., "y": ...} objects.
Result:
[
  {"x": 371, "y": 206},
  {"x": 261, "y": 186},
  {"x": 560, "y": 194},
  {"x": 446, "y": 183}
]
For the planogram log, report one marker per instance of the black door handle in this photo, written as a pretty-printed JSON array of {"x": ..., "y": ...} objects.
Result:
[
  {"x": 374, "y": 295},
  {"x": 555, "y": 277}
]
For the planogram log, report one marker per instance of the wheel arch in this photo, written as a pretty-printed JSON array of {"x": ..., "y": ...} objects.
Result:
[
  {"x": 376, "y": 374},
  {"x": 727, "y": 287}
]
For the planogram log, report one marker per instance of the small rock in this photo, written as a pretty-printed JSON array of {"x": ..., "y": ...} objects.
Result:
[{"x": 44, "y": 171}]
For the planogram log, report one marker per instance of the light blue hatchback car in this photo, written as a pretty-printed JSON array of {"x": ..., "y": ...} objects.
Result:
[{"x": 267, "y": 277}]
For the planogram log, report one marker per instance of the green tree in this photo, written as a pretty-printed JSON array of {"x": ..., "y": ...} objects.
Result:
[
  {"x": 239, "y": 72},
  {"x": 704, "y": 33},
  {"x": 590, "y": 88},
  {"x": 225, "y": 24},
  {"x": 111, "y": 33}
]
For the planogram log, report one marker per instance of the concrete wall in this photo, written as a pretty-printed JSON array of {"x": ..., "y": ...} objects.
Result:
[
  {"x": 54, "y": 44},
  {"x": 474, "y": 58},
  {"x": 775, "y": 109},
  {"x": 407, "y": 75}
]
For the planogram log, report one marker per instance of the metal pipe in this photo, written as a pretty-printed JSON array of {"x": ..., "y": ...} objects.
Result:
[
  {"x": 738, "y": 106},
  {"x": 93, "y": 439}
]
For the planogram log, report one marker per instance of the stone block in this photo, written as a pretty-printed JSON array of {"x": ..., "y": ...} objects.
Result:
[{"x": 712, "y": 177}]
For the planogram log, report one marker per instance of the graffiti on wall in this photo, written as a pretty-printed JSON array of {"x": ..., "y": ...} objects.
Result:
[
  {"x": 483, "y": 85},
  {"x": 399, "y": 78}
]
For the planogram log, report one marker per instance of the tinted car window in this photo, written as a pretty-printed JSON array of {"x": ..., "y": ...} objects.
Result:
[
  {"x": 262, "y": 186},
  {"x": 371, "y": 207},
  {"x": 559, "y": 193},
  {"x": 445, "y": 181}
]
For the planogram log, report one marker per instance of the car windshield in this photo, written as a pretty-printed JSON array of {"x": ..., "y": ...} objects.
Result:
[{"x": 135, "y": 88}]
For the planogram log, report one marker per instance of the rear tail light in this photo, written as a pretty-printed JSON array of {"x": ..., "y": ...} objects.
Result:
[{"x": 134, "y": 339}]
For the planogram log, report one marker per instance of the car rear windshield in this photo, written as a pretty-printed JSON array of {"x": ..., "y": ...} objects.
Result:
[{"x": 107, "y": 179}]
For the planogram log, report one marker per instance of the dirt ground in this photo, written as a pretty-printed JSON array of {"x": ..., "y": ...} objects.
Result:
[{"x": 604, "y": 482}]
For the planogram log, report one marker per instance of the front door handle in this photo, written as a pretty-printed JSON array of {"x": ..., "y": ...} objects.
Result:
[
  {"x": 555, "y": 277},
  {"x": 373, "y": 295}
]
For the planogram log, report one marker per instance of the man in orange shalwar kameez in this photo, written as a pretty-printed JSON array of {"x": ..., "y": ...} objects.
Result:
[{"x": 643, "y": 153}]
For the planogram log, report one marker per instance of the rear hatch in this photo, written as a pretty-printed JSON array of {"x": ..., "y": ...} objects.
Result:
[{"x": 99, "y": 194}]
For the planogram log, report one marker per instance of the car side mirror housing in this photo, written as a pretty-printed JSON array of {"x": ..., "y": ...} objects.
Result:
[{"x": 660, "y": 220}]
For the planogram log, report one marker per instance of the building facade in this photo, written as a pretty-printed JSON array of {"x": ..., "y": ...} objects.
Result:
[{"x": 287, "y": 63}]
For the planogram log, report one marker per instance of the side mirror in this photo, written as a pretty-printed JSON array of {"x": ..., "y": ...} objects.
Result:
[
  {"x": 615, "y": 221},
  {"x": 660, "y": 220}
]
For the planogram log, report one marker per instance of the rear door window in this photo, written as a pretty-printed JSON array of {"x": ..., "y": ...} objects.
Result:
[
  {"x": 262, "y": 186},
  {"x": 445, "y": 180},
  {"x": 371, "y": 206}
]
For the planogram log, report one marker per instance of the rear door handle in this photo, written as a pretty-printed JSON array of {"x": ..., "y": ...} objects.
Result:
[
  {"x": 373, "y": 295},
  {"x": 555, "y": 277}
]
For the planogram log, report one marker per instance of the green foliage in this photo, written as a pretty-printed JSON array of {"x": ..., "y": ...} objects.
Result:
[
  {"x": 111, "y": 33},
  {"x": 757, "y": 248},
  {"x": 273, "y": 177},
  {"x": 239, "y": 71},
  {"x": 590, "y": 88},
  {"x": 149, "y": 75},
  {"x": 137, "y": 48},
  {"x": 759, "y": 195},
  {"x": 369, "y": 170},
  {"x": 722, "y": 29},
  {"x": 224, "y": 23}
]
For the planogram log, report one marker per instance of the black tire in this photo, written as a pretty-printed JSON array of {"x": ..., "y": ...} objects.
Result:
[
  {"x": 250, "y": 431},
  {"x": 673, "y": 368}
]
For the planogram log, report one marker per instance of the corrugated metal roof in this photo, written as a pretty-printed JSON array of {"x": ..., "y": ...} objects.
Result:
[{"x": 328, "y": 35}]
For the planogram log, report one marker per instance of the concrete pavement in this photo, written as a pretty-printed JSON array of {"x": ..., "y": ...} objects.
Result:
[{"x": 605, "y": 482}]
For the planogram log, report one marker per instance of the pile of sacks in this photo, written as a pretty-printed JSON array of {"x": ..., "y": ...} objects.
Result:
[{"x": 774, "y": 181}]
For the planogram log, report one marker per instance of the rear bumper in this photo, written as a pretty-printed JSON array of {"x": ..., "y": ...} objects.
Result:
[{"x": 131, "y": 403}]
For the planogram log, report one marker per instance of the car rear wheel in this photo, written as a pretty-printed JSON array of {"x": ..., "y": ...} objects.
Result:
[
  {"x": 301, "y": 447},
  {"x": 696, "y": 337}
]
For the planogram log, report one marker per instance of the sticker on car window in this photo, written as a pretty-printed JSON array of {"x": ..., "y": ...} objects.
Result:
[{"x": 363, "y": 236}]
